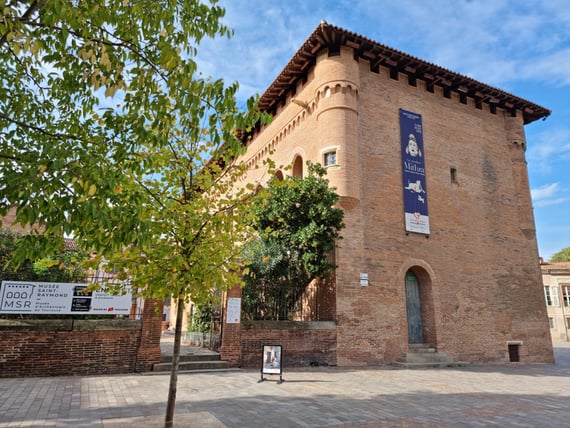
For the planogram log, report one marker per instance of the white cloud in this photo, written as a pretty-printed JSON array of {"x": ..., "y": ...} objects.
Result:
[
  {"x": 553, "y": 66},
  {"x": 496, "y": 41},
  {"x": 549, "y": 194},
  {"x": 548, "y": 150},
  {"x": 493, "y": 41}
]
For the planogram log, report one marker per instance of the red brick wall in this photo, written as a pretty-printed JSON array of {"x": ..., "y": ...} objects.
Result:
[
  {"x": 148, "y": 352},
  {"x": 9, "y": 219},
  {"x": 79, "y": 347},
  {"x": 302, "y": 343},
  {"x": 230, "y": 348}
]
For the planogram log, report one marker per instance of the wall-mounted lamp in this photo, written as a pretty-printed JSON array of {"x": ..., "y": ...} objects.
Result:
[{"x": 300, "y": 103}]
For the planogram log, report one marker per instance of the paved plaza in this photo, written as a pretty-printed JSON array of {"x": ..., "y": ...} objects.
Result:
[{"x": 503, "y": 396}]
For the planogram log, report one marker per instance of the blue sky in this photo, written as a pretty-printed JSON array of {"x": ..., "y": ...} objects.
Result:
[{"x": 520, "y": 46}]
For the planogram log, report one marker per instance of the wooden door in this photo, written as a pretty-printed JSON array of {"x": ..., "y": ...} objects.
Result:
[{"x": 413, "y": 309}]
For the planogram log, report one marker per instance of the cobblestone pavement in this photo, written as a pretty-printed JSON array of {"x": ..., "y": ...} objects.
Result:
[{"x": 502, "y": 396}]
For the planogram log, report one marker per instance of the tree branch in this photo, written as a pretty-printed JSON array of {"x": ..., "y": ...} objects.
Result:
[{"x": 34, "y": 7}]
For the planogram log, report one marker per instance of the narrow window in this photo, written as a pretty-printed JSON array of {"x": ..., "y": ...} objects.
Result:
[
  {"x": 566, "y": 295},
  {"x": 568, "y": 322},
  {"x": 551, "y": 322},
  {"x": 547, "y": 296},
  {"x": 330, "y": 158},
  {"x": 298, "y": 167},
  {"x": 551, "y": 295},
  {"x": 453, "y": 175}
]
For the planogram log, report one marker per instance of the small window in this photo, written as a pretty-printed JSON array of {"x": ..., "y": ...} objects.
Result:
[
  {"x": 568, "y": 322},
  {"x": 453, "y": 175},
  {"x": 330, "y": 158},
  {"x": 551, "y": 322}
]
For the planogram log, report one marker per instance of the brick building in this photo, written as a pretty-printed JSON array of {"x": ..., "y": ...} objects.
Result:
[
  {"x": 396, "y": 133},
  {"x": 556, "y": 281}
]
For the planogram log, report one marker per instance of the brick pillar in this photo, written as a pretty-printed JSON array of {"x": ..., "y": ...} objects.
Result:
[
  {"x": 148, "y": 352},
  {"x": 230, "y": 349}
]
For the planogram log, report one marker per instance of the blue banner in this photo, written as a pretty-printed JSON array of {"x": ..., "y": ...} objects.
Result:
[{"x": 414, "y": 173}]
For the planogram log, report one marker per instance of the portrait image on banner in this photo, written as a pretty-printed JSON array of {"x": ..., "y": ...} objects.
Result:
[
  {"x": 414, "y": 173},
  {"x": 271, "y": 359}
]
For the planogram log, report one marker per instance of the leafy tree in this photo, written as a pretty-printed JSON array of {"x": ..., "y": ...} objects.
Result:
[
  {"x": 561, "y": 256},
  {"x": 63, "y": 266},
  {"x": 269, "y": 282},
  {"x": 106, "y": 129},
  {"x": 25, "y": 271},
  {"x": 202, "y": 318},
  {"x": 297, "y": 225}
]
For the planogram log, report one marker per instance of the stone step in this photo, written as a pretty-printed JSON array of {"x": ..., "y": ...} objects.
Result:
[
  {"x": 210, "y": 356},
  {"x": 185, "y": 366},
  {"x": 430, "y": 365},
  {"x": 422, "y": 355},
  {"x": 419, "y": 345},
  {"x": 424, "y": 350}
]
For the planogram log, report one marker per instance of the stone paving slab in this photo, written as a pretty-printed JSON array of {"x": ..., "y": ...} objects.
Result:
[
  {"x": 205, "y": 420},
  {"x": 503, "y": 396}
]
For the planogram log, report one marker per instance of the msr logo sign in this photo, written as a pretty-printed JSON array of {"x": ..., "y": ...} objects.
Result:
[{"x": 16, "y": 297}]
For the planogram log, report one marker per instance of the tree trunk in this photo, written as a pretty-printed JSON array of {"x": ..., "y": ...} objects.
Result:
[{"x": 169, "y": 419}]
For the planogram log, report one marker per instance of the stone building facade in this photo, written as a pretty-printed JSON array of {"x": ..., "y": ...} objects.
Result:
[
  {"x": 468, "y": 283},
  {"x": 556, "y": 281}
]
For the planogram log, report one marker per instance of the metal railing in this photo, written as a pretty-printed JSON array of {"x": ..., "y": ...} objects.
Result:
[{"x": 288, "y": 302}]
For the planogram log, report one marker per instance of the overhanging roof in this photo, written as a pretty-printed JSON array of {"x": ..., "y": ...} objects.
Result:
[{"x": 330, "y": 37}]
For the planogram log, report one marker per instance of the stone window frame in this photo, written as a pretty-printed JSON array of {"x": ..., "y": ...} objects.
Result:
[{"x": 327, "y": 151}]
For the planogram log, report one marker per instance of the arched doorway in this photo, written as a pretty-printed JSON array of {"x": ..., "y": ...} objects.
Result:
[{"x": 414, "y": 309}]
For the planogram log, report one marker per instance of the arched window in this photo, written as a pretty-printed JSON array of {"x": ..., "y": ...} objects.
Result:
[
  {"x": 279, "y": 175},
  {"x": 298, "y": 167}
]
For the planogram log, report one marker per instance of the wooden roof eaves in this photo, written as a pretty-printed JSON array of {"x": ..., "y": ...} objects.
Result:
[{"x": 327, "y": 36}]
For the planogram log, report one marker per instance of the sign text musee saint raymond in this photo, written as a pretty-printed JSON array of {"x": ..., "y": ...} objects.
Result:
[{"x": 25, "y": 297}]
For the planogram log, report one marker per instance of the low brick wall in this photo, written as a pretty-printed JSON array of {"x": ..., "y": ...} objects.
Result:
[
  {"x": 303, "y": 343},
  {"x": 69, "y": 347}
]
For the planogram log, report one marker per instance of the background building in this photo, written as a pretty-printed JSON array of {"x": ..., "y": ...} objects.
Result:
[{"x": 556, "y": 280}]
